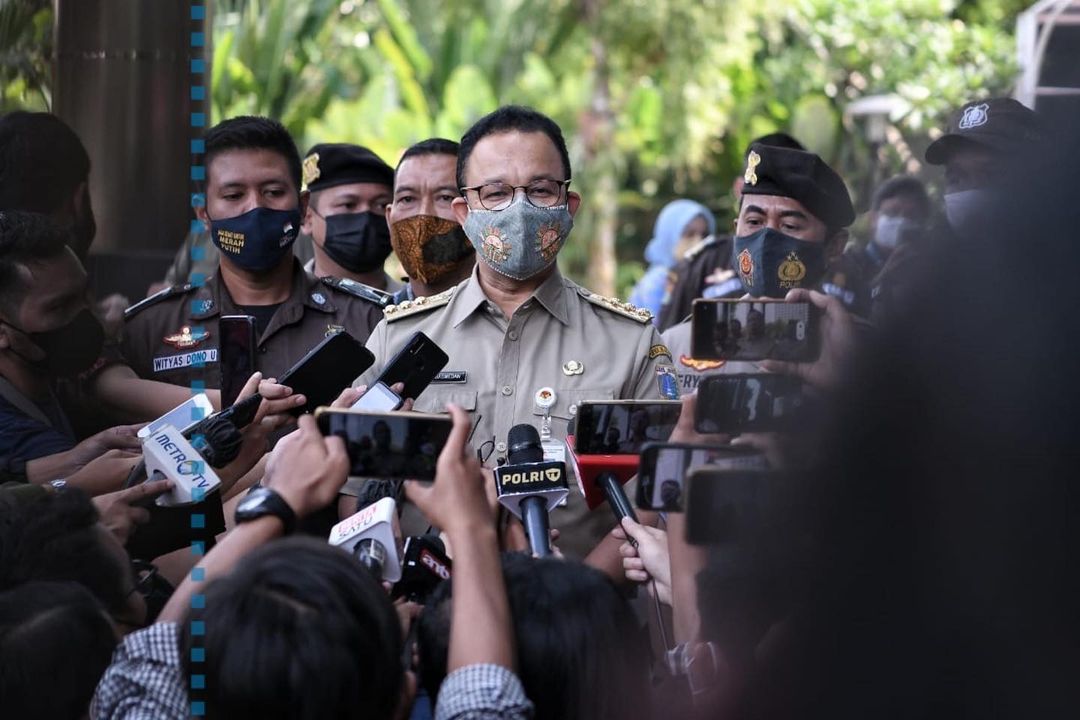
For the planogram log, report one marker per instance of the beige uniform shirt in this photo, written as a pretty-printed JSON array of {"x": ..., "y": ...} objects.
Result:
[{"x": 580, "y": 345}]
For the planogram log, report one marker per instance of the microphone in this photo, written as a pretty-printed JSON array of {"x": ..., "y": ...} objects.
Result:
[
  {"x": 529, "y": 487},
  {"x": 217, "y": 439},
  {"x": 424, "y": 566},
  {"x": 371, "y": 535},
  {"x": 601, "y": 477},
  {"x": 166, "y": 452}
]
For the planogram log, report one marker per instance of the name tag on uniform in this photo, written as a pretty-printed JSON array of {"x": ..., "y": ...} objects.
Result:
[
  {"x": 185, "y": 360},
  {"x": 451, "y": 376}
]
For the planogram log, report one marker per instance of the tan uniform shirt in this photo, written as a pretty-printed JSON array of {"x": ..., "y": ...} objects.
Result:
[
  {"x": 580, "y": 345},
  {"x": 173, "y": 336}
]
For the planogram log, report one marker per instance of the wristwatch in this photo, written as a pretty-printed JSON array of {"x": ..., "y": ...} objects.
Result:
[{"x": 262, "y": 501}]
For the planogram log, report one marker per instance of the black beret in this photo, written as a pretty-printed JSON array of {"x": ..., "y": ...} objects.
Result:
[
  {"x": 329, "y": 164},
  {"x": 802, "y": 176},
  {"x": 1002, "y": 125}
]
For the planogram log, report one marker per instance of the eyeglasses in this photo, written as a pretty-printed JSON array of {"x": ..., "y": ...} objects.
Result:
[{"x": 498, "y": 196}]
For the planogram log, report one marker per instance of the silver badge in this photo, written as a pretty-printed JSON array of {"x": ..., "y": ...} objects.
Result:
[
  {"x": 974, "y": 116},
  {"x": 572, "y": 367},
  {"x": 319, "y": 298}
]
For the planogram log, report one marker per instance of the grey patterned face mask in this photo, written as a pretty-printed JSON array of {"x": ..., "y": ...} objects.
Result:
[{"x": 521, "y": 240}]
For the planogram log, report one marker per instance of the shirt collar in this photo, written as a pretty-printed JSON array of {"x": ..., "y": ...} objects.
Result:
[{"x": 551, "y": 295}]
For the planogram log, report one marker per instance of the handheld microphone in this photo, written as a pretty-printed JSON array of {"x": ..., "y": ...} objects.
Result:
[
  {"x": 217, "y": 439},
  {"x": 371, "y": 535},
  {"x": 601, "y": 477},
  {"x": 168, "y": 453},
  {"x": 530, "y": 487},
  {"x": 424, "y": 566}
]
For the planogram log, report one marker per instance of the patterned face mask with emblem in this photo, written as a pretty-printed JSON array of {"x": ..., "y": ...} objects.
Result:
[
  {"x": 520, "y": 241},
  {"x": 770, "y": 263}
]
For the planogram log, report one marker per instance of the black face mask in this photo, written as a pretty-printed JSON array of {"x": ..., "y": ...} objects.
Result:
[
  {"x": 358, "y": 242},
  {"x": 770, "y": 263},
  {"x": 70, "y": 349}
]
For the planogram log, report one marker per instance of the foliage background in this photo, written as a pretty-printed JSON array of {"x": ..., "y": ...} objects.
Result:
[{"x": 657, "y": 98}]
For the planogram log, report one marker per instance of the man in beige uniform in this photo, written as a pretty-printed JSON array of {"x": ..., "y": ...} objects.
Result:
[{"x": 526, "y": 345}]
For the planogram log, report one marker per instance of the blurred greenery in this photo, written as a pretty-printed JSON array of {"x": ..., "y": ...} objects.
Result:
[{"x": 657, "y": 98}]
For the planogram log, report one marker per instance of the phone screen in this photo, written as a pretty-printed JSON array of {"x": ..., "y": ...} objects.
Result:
[
  {"x": 664, "y": 469},
  {"x": 327, "y": 369},
  {"x": 748, "y": 330},
  {"x": 378, "y": 398},
  {"x": 415, "y": 365},
  {"x": 735, "y": 404},
  {"x": 389, "y": 445},
  {"x": 181, "y": 417},
  {"x": 237, "y": 355},
  {"x": 622, "y": 428}
]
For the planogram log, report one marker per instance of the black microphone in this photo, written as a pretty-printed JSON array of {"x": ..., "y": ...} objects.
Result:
[
  {"x": 530, "y": 487},
  {"x": 616, "y": 496},
  {"x": 216, "y": 439},
  {"x": 424, "y": 566}
]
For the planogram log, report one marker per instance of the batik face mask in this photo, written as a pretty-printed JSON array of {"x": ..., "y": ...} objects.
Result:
[
  {"x": 429, "y": 247},
  {"x": 520, "y": 241}
]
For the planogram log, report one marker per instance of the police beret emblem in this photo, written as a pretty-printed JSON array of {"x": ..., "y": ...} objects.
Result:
[
  {"x": 974, "y": 116},
  {"x": 311, "y": 169},
  {"x": 752, "y": 161}
]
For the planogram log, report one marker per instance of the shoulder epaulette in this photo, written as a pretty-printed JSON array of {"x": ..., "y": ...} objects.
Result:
[
  {"x": 617, "y": 306},
  {"x": 157, "y": 297},
  {"x": 698, "y": 248},
  {"x": 360, "y": 290},
  {"x": 419, "y": 305}
]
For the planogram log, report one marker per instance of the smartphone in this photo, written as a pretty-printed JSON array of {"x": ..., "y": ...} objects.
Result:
[
  {"x": 183, "y": 416},
  {"x": 326, "y": 370},
  {"x": 379, "y": 398},
  {"x": 171, "y": 528},
  {"x": 747, "y": 330},
  {"x": 622, "y": 427},
  {"x": 415, "y": 365},
  {"x": 664, "y": 467},
  {"x": 736, "y": 404},
  {"x": 724, "y": 507},
  {"x": 236, "y": 357},
  {"x": 394, "y": 445}
]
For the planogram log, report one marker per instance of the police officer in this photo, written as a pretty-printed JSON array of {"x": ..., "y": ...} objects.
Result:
[
  {"x": 792, "y": 223},
  {"x": 253, "y": 210},
  {"x": 346, "y": 217},
  {"x": 424, "y": 231},
  {"x": 526, "y": 345},
  {"x": 705, "y": 270}
]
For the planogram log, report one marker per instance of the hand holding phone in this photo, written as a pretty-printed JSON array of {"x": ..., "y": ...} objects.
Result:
[
  {"x": 327, "y": 368},
  {"x": 622, "y": 427},
  {"x": 751, "y": 330},
  {"x": 414, "y": 366},
  {"x": 665, "y": 466},
  {"x": 392, "y": 445}
]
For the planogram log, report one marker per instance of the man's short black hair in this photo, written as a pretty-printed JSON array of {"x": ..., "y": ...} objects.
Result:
[
  {"x": 42, "y": 161},
  {"x": 25, "y": 238},
  {"x": 55, "y": 643},
  {"x": 901, "y": 185},
  {"x": 250, "y": 132},
  {"x": 299, "y": 630},
  {"x": 511, "y": 118},
  {"x": 56, "y": 537},
  {"x": 431, "y": 146}
]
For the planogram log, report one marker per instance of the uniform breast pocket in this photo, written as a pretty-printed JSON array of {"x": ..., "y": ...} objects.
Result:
[
  {"x": 434, "y": 400},
  {"x": 567, "y": 401}
]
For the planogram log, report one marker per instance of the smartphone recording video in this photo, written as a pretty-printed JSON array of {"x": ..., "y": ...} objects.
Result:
[
  {"x": 622, "y": 427},
  {"x": 750, "y": 330},
  {"x": 664, "y": 468},
  {"x": 391, "y": 445},
  {"x": 746, "y": 403},
  {"x": 326, "y": 370}
]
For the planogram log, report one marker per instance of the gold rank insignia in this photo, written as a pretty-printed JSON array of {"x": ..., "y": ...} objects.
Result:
[
  {"x": 791, "y": 271},
  {"x": 700, "y": 365},
  {"x": 420, "y": 304},
  {"x": 311, "y": 169},
  {"x": 186, "y": 338},
  {"x": 752, "y": 161},
  {"x": 618, "y": 306}
]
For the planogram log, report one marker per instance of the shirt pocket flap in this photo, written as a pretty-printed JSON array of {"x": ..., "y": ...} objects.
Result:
[{"x": 435, "y": 400}]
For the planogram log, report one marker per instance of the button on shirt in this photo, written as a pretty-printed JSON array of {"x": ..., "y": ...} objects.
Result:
[{"x": 558, "y": 339}]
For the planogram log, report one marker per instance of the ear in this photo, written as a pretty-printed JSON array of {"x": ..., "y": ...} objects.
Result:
[
  {"x": 460, "y": 206},
  {"x": 305, "y": 201},
  {"x": 389, "y": 213},
  {"x": 80, "y": 200},
  {"x": 736, "y": 188},
  {"x": 200, "y": 212},
  {"x": 834, "y": 246},
  {"x": 573, "y": 202}
]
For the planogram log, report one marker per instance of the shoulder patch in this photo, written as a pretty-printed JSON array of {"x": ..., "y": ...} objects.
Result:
[
  {"x": 407, "y": 308},
  {"x": 617, "y": 306},
  {"x": 157, "y": 297},
  {"x": 360, "y": 290}
]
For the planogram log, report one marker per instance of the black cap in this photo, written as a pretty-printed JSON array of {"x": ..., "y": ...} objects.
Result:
[
  {"x": 999, "y": 124},
  {"x": 802, "y": 176},
  {"x": 329, "y": 164}
]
